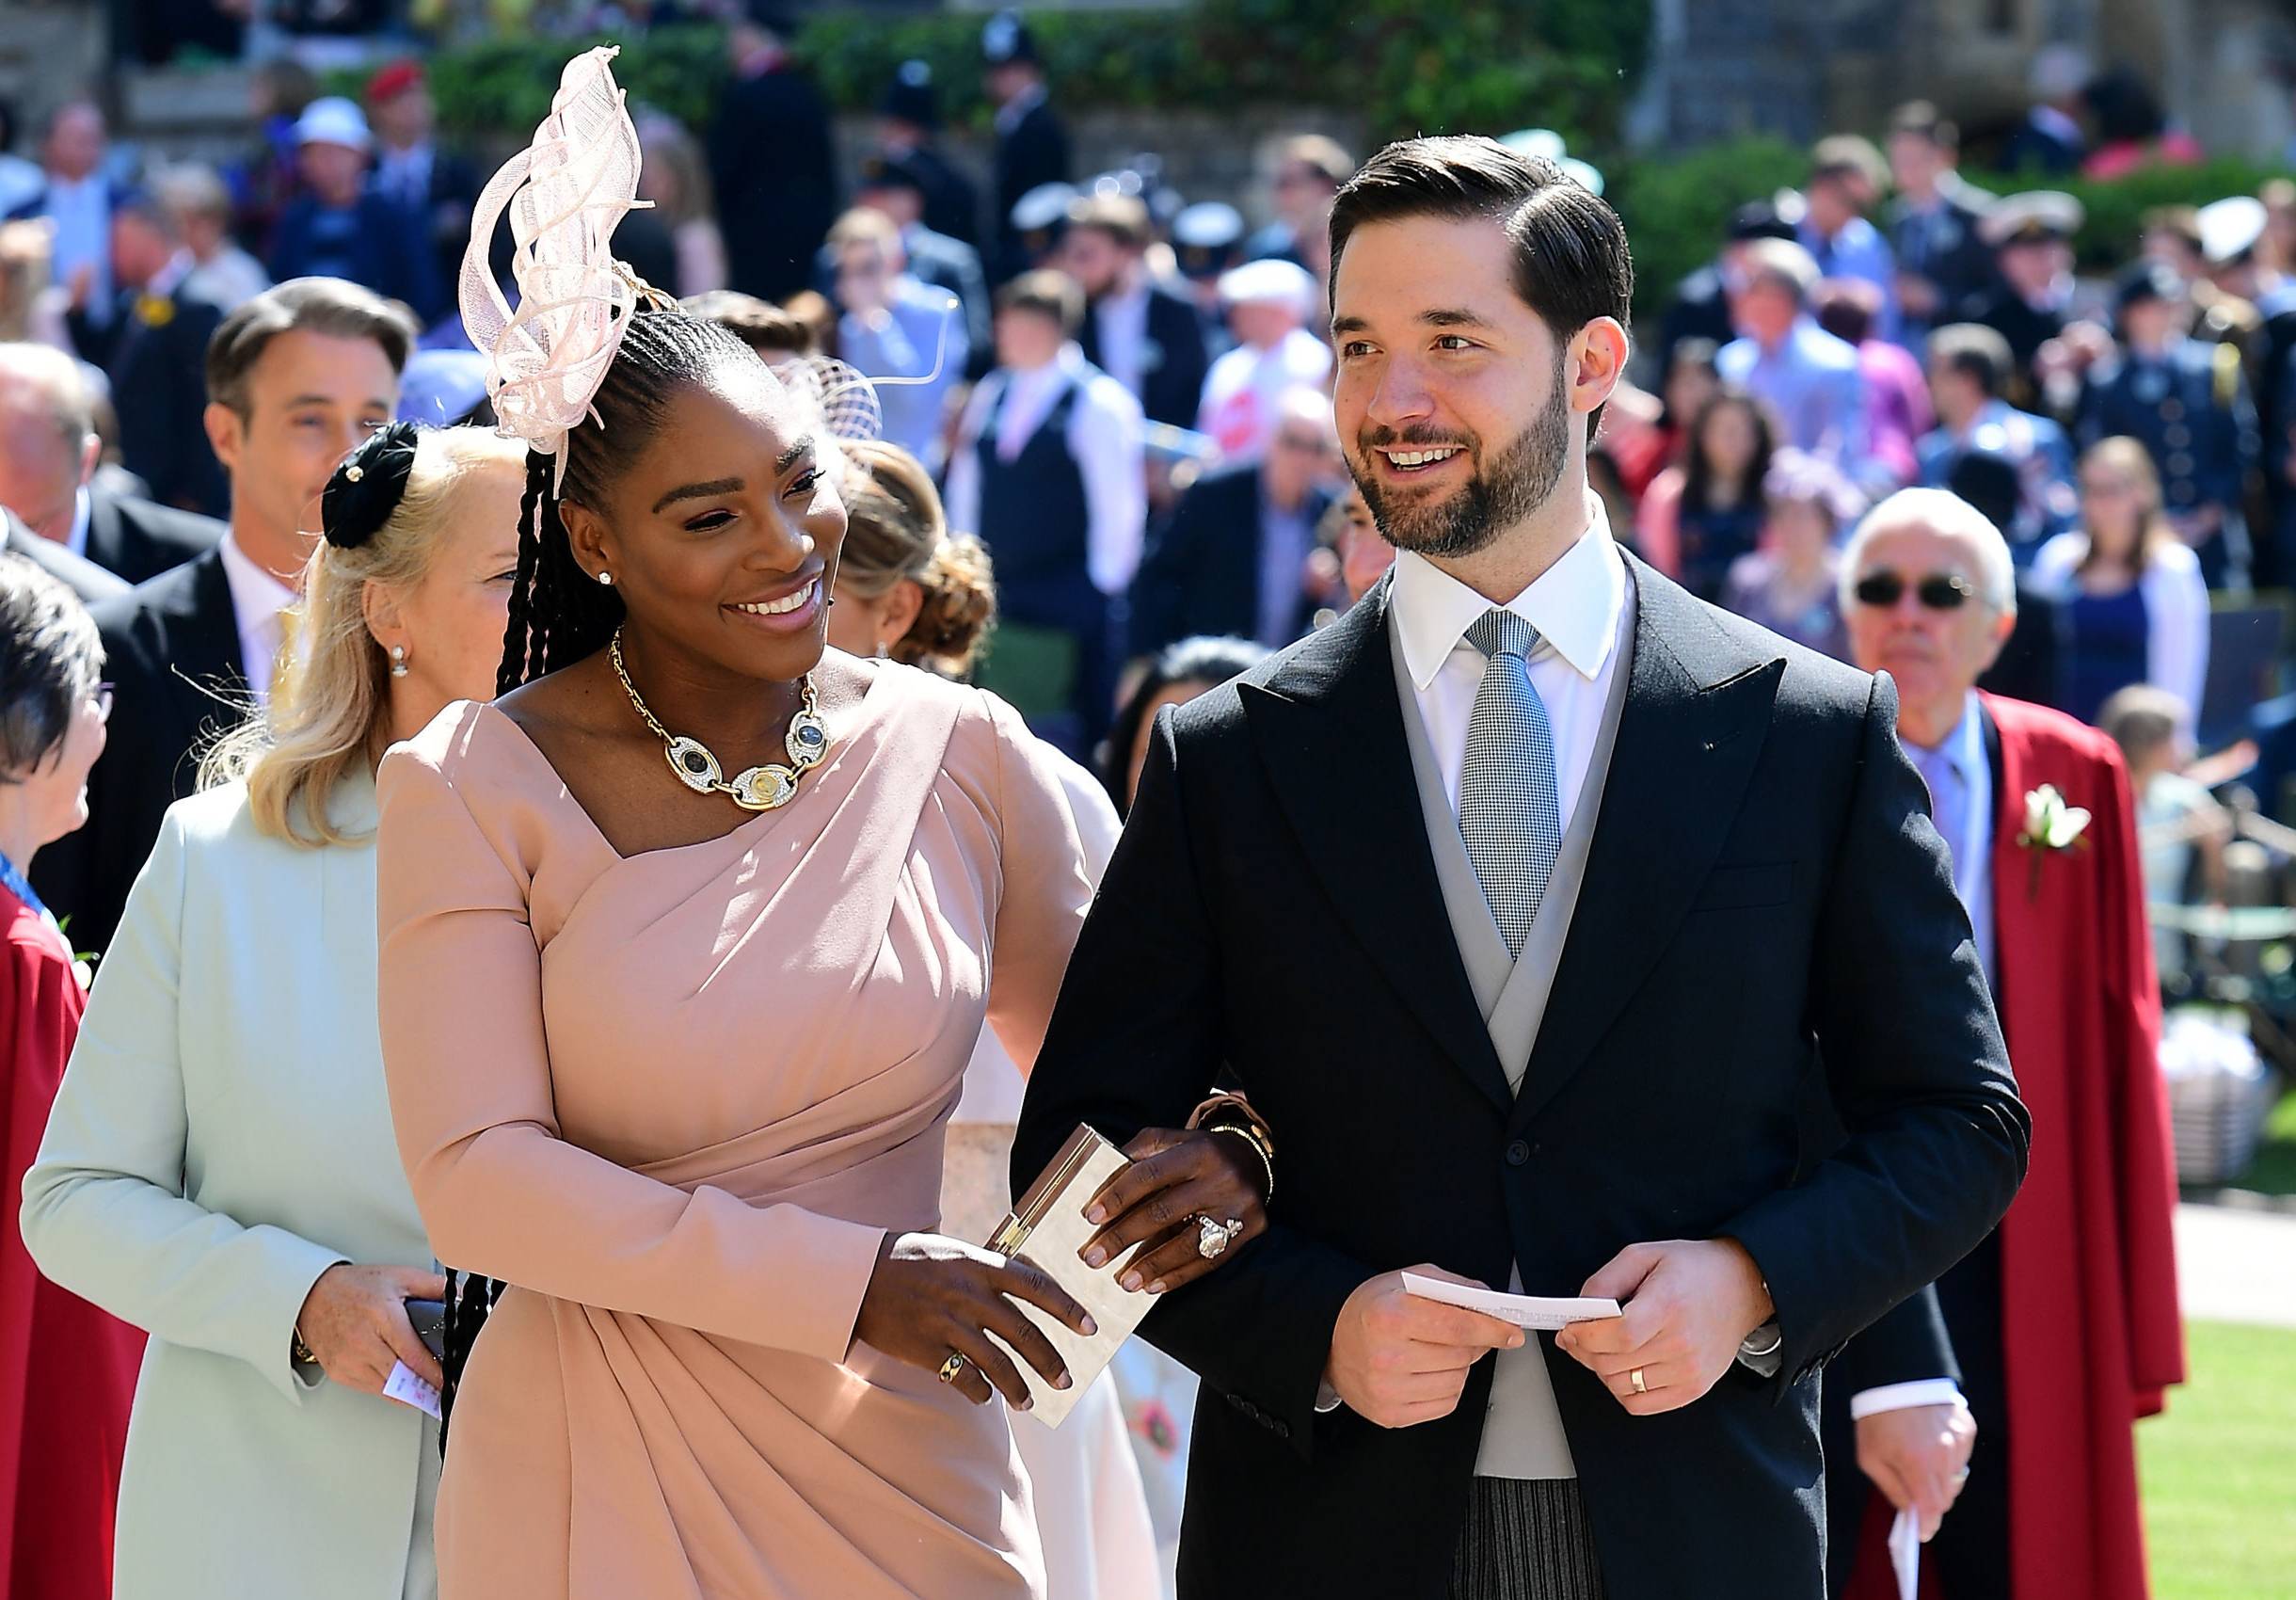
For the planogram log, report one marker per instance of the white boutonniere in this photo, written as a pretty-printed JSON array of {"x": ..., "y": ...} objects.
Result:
[{"x": 2051, "y": 828}]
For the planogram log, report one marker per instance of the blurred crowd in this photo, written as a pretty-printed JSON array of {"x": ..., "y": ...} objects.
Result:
[{"x": 1107, "y": 421}]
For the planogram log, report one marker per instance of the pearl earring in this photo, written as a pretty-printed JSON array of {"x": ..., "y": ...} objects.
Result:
[
  {"x": 607, "y": 578},
  {"x": 398, "y": 660}
]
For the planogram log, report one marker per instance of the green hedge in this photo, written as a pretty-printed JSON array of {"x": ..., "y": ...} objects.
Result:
[{"x": 1490, "y": 65}]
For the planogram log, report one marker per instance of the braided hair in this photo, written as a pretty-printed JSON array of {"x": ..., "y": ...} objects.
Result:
[{"x": 557, "y": 615}]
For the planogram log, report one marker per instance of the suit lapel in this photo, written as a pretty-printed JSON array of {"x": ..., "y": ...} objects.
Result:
[
  {"x": 208, "y": 675},
  {"x": 1329, "y": 726},
  {"x": 1689, "y": 736}
]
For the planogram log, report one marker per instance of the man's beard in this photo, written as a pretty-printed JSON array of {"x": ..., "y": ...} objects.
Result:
[{"x": 1503, "y": 491}]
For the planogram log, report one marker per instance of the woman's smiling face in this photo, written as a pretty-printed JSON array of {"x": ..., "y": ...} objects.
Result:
[{"x": 722, "y": 534}]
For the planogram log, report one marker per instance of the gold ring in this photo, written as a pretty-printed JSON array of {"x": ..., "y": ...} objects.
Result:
[
  {"x": 954, "y": 1365},
  {"x": 1635, "y": 1378}
]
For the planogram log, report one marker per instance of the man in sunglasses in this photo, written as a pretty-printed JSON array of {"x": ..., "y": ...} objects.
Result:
[{"x": 2060, "y": 1328}]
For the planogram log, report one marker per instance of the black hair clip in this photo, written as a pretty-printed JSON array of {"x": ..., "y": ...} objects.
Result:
[{"x": 367, "y": 487}]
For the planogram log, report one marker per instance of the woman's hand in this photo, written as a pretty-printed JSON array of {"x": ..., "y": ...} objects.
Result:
[
  {"x": 1174, "y": 1179},
  {"x": 932, "y": 1297},
  {"x": 354, "y": 1321}
]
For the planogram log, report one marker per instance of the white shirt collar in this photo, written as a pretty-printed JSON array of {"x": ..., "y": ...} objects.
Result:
[
  {"x": 83, "y": 512},
  {"x": 166, "y": 282},
  {"x": 257, "y": 597},
  {"x": 1575, "y": 605}
]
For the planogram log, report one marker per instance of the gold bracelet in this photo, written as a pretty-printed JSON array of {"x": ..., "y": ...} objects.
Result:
[
  {"x": 1229, "y": 1105},
  {"x": 1250, "y": 1136},
  {"x": 301, "y": 1350}
]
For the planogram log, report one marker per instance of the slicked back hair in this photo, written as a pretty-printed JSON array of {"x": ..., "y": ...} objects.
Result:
[{"x": 1571, "y": 261}]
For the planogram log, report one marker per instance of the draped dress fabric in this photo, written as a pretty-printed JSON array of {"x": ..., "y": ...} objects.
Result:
[{"x": 675, "y": 1100}]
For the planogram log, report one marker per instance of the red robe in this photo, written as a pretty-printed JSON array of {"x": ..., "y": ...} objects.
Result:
[
  {"x": 66, "y": 1370},
  {"x": 2090, "y": 1331}
]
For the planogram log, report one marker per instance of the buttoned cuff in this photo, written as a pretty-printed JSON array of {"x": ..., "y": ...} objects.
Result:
[{"x": 1904, "y": 1397}]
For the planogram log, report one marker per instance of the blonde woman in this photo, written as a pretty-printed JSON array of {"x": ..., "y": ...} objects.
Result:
[
  {"x": 909, "y": 590},
  {"x": 219, "y": 1167}
]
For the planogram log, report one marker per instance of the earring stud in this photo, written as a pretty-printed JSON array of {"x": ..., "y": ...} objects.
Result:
[{"x": 607, "y": 578}]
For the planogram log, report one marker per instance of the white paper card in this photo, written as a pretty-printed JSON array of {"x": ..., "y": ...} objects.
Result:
[
  {"x": 1906, "y": 1552},
  {"x": 1524, "y": 1310},
  {"x": 1115, "y": 1309},
  {"x": 408, "y": 1389}
]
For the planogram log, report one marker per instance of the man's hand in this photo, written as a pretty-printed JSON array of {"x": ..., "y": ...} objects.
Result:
[
  {"x": 1690, "y": 1302},
  {"x": 1918, "y": 1457},
  {"x": 1398, "y": 1359}
]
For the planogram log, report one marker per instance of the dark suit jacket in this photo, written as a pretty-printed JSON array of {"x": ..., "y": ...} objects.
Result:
[
  {"x": 1034, "y": 153},
  {"x": 83, "y": 577},
  {"x": 773, "y": 166},
  {"x": 140, "y": 539},
  {"x": 391, "y": 252},
  {"x": 158, "y": 367},
  {"x": 1173, "y": 366},
  {"x": 171, "y": 652},
  {"x": 1763, "y": 880},
  {"x": 1201, "y": 573},
  {"x": 1953, "y": 256}
]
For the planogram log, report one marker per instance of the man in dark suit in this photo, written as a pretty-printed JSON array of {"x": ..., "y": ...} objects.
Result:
[
  {"x": 434, "y": 186},
  {"x": 162, "y": 334},
  {"x": 2027, "y": 303},
  {"x": 1523, "y": 902},
  {"x": 1941, "y": 258},
  {"x": 297, "y": 376},
  {"x": 1138, "y": 333},
  {"x": 909, "y": 130},
  {"x": 1031, "y": 141},
  {"x": 48, "y": 455},
  {"x": 1230, "y": 559},
  {"x": 83, "y": 578},
  {"x": 771, "y": 162}
]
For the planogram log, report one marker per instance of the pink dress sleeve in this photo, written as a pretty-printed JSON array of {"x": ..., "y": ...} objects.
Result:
[
  {"x": 1048, "y": 886},
  {"x": 500, "y": 1189}
]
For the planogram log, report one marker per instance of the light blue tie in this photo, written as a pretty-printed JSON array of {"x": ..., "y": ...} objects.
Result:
[{"x": 1510, "y": 813}]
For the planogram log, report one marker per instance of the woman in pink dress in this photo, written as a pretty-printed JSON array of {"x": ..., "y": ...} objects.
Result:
[{"x": 672, "y": 1045}]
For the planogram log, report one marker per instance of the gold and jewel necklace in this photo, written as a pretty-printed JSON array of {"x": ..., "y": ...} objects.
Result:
[{"x": 759, "y": 789}]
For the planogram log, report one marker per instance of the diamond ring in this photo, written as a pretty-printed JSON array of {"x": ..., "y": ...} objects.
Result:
[
  {"x": 950, "y": 1368},
  {"x": 1213, "y": 1239}
]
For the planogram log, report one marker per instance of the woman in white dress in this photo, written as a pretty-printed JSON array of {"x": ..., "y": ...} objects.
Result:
[
  {"x": 910, "y": 590},
  {"x": 219, "y": 1167}
]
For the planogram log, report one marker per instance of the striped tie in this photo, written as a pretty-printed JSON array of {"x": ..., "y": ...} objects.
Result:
[{"x": 1509, "y": 814}]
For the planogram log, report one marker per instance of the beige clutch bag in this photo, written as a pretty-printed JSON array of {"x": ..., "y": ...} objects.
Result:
[{"x": 1047, "y": 1229}]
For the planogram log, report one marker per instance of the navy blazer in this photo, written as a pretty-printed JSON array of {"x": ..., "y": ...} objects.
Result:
[
  {"x": 391, "y": 252},
  {"x": 1173, "y": 366},
  {"x": 1200, "y": 572},
  {"x": 1762, "y": 881}
]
